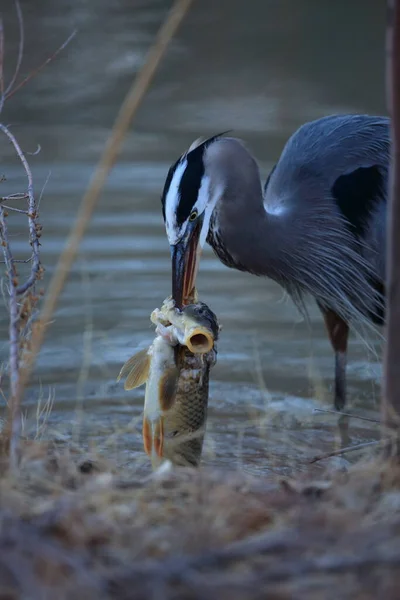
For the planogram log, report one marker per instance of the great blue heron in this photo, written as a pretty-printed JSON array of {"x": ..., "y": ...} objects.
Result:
[{"x": 317, "y": 227}]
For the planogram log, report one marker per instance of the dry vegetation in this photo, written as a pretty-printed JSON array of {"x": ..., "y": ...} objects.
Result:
[
  {"x": 73, "y": 526},
  {"x": 22, "y": 296}
]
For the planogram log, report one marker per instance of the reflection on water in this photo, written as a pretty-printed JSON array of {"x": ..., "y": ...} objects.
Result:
[{"x": 259, "y": 68}]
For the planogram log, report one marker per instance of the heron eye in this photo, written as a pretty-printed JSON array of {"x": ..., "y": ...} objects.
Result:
[{"x": 193, "y": 215}]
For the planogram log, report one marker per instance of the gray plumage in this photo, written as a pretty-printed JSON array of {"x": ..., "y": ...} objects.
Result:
[{"x": 317, "y": 227}]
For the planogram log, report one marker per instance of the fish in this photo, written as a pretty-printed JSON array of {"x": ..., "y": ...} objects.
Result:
[{"x": 176, "y": 370}]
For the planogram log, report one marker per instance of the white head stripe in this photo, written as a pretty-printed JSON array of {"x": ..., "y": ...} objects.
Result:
[{"x": 171, "y": 203}]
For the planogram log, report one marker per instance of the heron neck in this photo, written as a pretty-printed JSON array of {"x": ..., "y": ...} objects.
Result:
[{"x": 248, "y": 238}]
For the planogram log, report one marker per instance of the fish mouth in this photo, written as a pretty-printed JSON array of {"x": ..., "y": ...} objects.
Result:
[
  {"x": 199, "y": 341},
  {"x": 185, "y": 256}
]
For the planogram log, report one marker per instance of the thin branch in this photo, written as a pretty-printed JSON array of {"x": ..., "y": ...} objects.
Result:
[
  {"x": 43, "y": 188},
  {"x": 345, "y": 450},
  {"x": 36, "y": 152},
  {"x": 11, "y": 197},
  {"x": 41, "y": 67},
  {"x": 127, "y": 111},
  {"x": 14, "y": 291},
  {"x": 20, "y": 46},
  {"x": 20, "y": 261},
  {"x": 32, "y": 215},
  {"x": 345, "y": 414},
  {"x": 18, "y": 210},
  {"x": 14, "y": 402}
]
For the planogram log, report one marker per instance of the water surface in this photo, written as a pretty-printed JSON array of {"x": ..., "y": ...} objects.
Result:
[{"x": 260, "y": 68}]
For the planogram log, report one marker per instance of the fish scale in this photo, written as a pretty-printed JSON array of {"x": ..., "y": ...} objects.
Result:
[{"x": 184, "y": 424}]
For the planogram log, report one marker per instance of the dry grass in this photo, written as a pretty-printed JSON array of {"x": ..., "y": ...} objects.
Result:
[{"x": 71, "y": 525}]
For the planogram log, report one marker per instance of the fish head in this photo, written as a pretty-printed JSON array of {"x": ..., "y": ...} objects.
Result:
[
  {"x": 202, "y": 326},
  {"x": 200, "y": 314}
]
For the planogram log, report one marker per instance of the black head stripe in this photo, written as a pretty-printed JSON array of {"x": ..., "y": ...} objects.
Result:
[
  {"x": 190, "y": 183},
  {"x": 191, "y": 180}
]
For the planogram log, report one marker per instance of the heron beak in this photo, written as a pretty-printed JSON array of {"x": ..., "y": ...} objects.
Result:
[{"x": 185, "y": 256}]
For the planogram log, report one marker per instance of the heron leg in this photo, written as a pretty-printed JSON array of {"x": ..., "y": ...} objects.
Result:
[{"x": 338, "y": 331}]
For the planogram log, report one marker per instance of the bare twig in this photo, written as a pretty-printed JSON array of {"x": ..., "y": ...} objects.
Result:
[
  {"x": 345, "y": 414},
  {"x": 20, "y": 46},
  {"x": 50, "y": 59},
  {"x": 345, "y": 450},
  {"x": 18, "y": 210},
  {"x": 43, "y": 188},
  {"x": 20, "y": 261},
  {"x": 22, "y": 299},
  {"x": 36, "y": 152},
  {"x": 34, "y": 228},
  {"x": 127, "y": 111},
  {"x": 11, "y": 197},
  {"x": 14, "y": 402}
]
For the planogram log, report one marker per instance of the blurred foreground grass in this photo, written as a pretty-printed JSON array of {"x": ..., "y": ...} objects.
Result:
[{"x": 74, "y": 526}]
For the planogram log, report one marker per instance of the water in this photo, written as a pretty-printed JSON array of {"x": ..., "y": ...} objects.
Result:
[{"x": 259, "y": 68}]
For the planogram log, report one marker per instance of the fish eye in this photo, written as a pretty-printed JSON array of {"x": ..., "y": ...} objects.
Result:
[{"x": 193, "y": 215}]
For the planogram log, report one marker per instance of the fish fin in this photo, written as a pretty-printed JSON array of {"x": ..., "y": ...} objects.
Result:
[
  {"x": 167, "y": 387},
  {"x": 158, "y": 437},
  {"x": 136, "y": 370},
  {"x": 147, "y": 436}
]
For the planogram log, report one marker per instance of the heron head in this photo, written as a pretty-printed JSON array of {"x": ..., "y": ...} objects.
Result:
[{"x": 188, "y": 200}]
